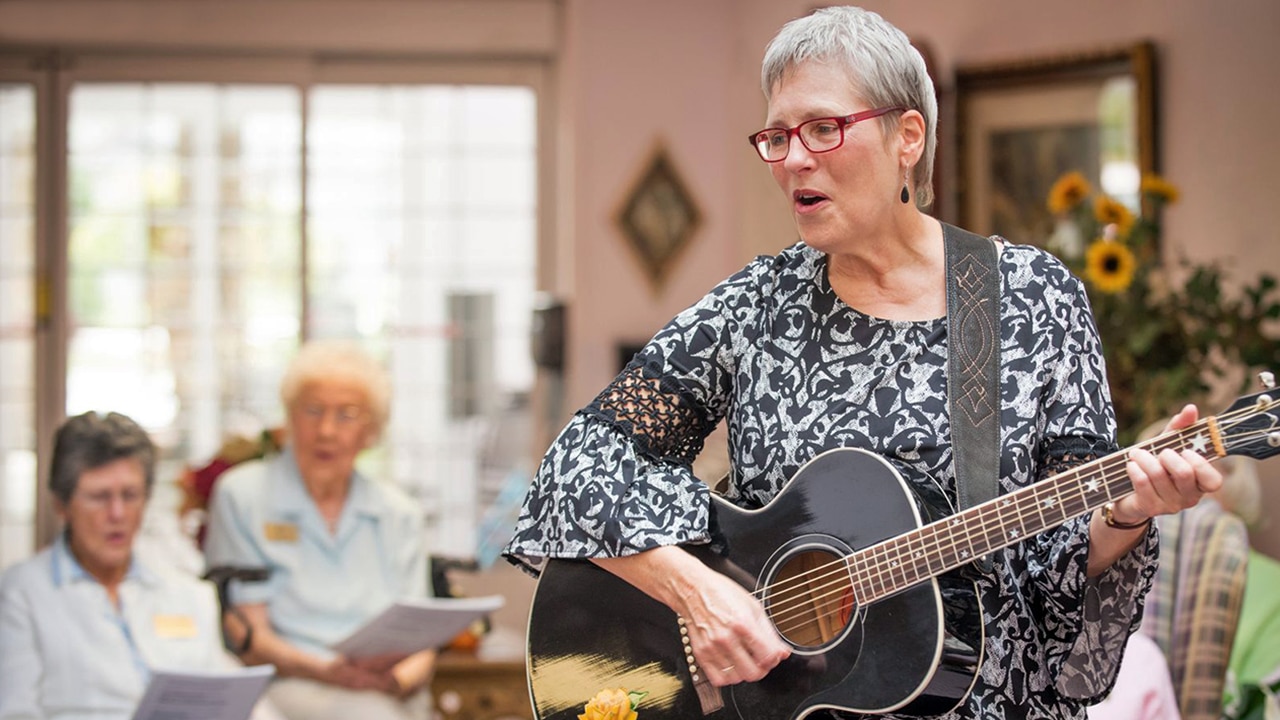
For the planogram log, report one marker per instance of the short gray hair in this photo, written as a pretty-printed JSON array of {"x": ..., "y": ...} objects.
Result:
[
  {"x": 883, "y": 67},
  {"x": 343, "y": 361},
  {"x": 91, "y": 440}
]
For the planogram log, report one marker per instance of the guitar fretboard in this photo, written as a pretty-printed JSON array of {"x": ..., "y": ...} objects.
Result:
[{"x": 894, "y": 565}]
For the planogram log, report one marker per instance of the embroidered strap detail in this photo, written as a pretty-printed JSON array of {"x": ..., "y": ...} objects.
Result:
[{"x": 973, "y": 365}]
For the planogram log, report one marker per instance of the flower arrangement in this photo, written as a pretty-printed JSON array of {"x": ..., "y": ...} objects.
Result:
[{"x": 1163, "y": 343}]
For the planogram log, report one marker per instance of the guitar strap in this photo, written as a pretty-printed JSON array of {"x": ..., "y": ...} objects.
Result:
[{"x": 973, "y": 364}]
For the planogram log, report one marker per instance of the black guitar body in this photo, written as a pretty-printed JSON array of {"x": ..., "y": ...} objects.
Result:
[{"x": 914, "y": 653}]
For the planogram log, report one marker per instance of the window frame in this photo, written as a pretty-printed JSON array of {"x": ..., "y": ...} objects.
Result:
[{"x": 56, "y": 72}]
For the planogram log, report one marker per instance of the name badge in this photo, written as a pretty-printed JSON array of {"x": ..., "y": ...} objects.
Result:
[
  {"x": 281, "y": 532},
  {"x": 174, "y": 626}
]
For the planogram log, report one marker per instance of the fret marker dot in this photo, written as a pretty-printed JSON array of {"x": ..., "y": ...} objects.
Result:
[
  {"x": 1050, "y": 502},
  {"x": 1013, "y": 533},
  {"x": 1093, "y": 486},
  {"x": 1200, "y": 443}
]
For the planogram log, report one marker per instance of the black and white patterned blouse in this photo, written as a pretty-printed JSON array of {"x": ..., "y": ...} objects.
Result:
[{"x": 796, "y": 372}]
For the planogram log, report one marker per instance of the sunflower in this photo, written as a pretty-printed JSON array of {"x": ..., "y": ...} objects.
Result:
[
  {"x": 1110, "y": 212},
  {"x": 1069, "y": 191},
  {"x": 1109, "y": 266},
  {"x": 1159, "y": 188}
]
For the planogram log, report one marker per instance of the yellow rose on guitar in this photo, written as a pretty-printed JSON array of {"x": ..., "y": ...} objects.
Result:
[{"x": 612, "y": 704}]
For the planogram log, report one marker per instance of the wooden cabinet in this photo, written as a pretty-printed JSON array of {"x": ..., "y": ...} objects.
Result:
[{"x": 481, "y": 686}]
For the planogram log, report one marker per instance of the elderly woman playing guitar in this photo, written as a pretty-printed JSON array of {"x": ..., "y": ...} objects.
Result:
[{"x": 810, "y": 588}]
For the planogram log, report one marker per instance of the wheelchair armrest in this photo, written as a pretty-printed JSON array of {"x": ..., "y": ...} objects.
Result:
[{"x": 221, "y": 577}]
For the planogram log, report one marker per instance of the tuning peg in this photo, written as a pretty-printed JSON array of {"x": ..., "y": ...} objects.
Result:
[{"x": 1268, "y": 380}]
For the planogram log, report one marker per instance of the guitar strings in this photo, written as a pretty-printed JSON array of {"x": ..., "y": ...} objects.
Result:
[
  {"x": 875, "y": 569},
  {"x": 836, "y": 578},
  {"x": 837, "y": 581},
  {"x": 884, "y": 550},
  {"x": 840, "y": 587}
]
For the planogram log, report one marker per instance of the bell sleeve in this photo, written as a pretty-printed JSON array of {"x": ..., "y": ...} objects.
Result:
[
  {"x": 618, "y": 479},
  {"x": 1086, "y": 621}
]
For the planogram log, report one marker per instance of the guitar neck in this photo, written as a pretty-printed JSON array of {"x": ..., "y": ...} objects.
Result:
[{"x": 896, "y": 564}]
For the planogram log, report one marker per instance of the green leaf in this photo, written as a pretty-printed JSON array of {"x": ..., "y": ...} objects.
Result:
[{"x": 635, "y": 697}]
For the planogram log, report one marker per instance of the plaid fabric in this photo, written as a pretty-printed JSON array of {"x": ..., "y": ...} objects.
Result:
[{"x": 1194, "y": 605}]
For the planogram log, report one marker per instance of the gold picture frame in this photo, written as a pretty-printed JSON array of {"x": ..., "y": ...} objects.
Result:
[
  {"x": 1021, "y": 125},
  {"x": 659, "y": 216}
]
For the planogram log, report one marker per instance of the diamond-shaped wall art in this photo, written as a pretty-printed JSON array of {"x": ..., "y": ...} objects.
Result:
[{"x": 659, "y": 217}]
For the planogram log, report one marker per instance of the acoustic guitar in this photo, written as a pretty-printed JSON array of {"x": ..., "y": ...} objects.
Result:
[{"x": 860, "y": 574}]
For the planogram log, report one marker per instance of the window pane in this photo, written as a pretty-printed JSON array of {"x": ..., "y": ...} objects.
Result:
[
  {"x": 17, "y": 322},
  {"x": 184, "y": 258},
  {"x": 422, "y": 233},
  {"x": 185, "y": 270}
]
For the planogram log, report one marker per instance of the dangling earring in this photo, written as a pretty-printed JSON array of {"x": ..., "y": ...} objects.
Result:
[{"x": 906, "y": 196}]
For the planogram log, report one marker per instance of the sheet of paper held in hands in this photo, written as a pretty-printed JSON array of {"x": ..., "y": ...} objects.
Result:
[
  {"x": 417, "y": 624},
  {"x": 221, "y": 695}
]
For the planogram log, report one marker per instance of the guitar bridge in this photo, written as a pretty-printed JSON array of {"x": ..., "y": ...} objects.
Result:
[{"x": 709, "y": 696}]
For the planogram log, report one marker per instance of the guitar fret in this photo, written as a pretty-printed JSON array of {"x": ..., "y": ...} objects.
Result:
[
  {"x": 1039, "y": 505},
  {"x": 1043, "y": 503},
  {"x": 941, "y": 531},
  {"x": 1009, "y": 533},
  {"x": 1062, "y": 506},
  {"x": 964, "y": 553},
  {"x": 898, "y": 563},
  {"x": 913, "y": 553},
  {"x": 992, "y": 532},
  {"x": 864, "y": 577},
  {"x": 877, "y": 576},
  {"x": 854, "y": 587},
  {"x": 932, "y": 561}
]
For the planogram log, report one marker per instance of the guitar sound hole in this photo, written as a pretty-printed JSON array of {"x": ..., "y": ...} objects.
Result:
[{"x": 811, "y": 599}]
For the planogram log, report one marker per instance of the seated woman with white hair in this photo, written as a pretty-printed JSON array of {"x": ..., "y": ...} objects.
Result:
[
  {"x": 85, "y": 622},
  {"x": 340, "y": 547}
]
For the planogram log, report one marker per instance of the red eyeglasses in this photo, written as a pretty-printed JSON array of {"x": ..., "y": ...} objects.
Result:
[{"x": 818, "y": 135}]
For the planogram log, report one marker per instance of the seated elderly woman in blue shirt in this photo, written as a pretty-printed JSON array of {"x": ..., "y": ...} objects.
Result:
[
  {"x": 340, "y": 547},
  {"x": 84, "y": 622}
]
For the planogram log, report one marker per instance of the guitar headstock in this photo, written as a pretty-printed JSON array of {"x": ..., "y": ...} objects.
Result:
[{"x": 1251, "y": 425}]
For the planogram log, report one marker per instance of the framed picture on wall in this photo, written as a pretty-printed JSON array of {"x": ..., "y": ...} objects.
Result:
[
  {"x": 1022, "y": 125},
  {"x": 659, "y": 216}
]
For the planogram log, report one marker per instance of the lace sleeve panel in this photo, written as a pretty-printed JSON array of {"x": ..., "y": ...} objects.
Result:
[
  {"x": 672, "y": 394},
  {"x": 1062, "y": 454},
  {"x": 662, "y": 420}
]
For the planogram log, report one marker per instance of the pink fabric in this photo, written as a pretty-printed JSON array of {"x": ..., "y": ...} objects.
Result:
[{"x": 1143, "y": 689}]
